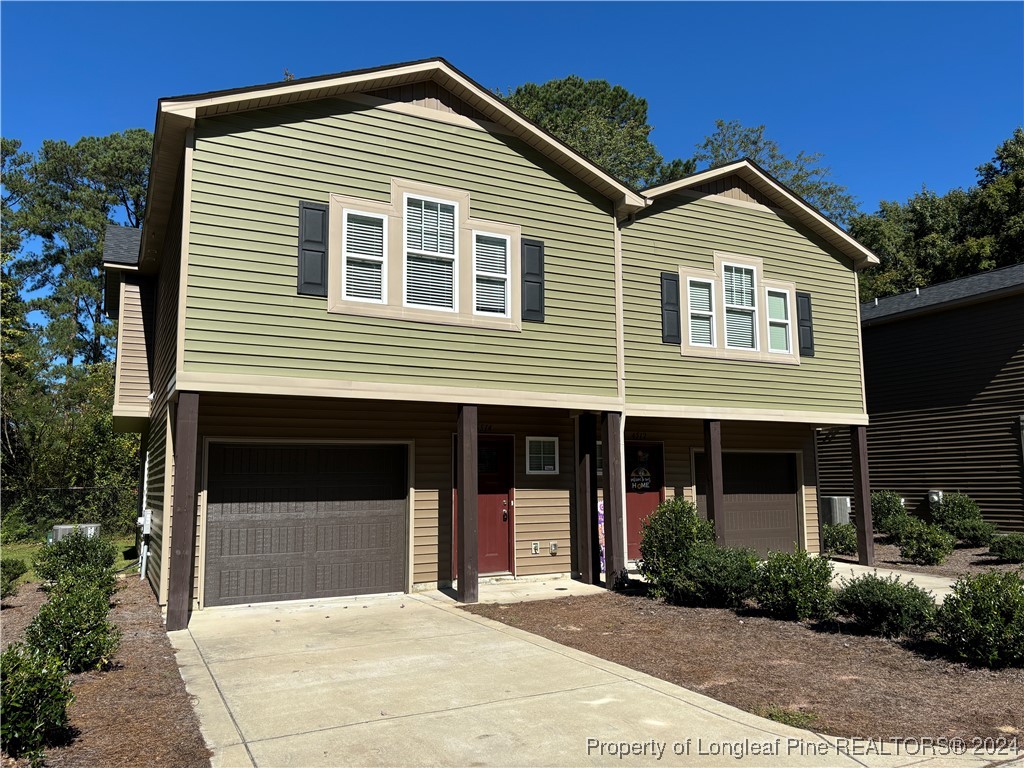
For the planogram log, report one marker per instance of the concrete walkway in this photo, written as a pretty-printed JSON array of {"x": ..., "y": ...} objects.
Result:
[
  {"x": 939, "y": 586},
  {"x": 414, "y": 680}
]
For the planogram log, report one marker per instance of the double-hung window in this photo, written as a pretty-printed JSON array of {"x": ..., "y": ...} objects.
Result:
[
  {"x": 491, "y": 262},
  {"x": 364, "y": 245},
  {"x": 701, "y": 299},
  {"x": 780, "y": 337},
  {"x": 739, "y": 288},
  {"x": 542, "y": 455},
  {"x": 431, "y": 253}
]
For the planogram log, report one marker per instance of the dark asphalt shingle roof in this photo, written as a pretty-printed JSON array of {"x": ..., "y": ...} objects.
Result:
[
  {"x": 121, "y": 245},
  {"x": 944, "y": 293}
]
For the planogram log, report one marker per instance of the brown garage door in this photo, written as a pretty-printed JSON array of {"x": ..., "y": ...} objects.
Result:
[
  {"x": 762, "y": 500},
  {"x": 286, "y": 522}
]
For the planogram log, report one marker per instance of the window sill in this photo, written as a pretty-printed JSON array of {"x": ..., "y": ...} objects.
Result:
[
  {"x": 417, "y": 315},
  {"x": 718, "y": 353}
]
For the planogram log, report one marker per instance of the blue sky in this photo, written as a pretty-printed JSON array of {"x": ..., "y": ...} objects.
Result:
[{"x": 895, "y": 95}]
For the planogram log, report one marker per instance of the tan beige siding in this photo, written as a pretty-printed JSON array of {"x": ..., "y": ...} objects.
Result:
[
  {"x": 135, "y": 315},
  {"x": 734, "y": 188},
  {"x": 685, "y": 232},
  {"x": 428, "y": 95},
  {"x": 681, "y": 437},
  {"x": 243, "y": 314}
]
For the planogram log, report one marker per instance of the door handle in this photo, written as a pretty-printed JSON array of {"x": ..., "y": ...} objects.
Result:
[{"x": 504, "y": 515}]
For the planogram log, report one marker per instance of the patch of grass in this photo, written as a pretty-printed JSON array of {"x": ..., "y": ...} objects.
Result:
[
  {"x": 797, "y": 718},
  {"x": 26, "y": 552}
]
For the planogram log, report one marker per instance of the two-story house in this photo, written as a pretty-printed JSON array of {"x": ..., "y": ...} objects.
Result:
[{"x": 379, "y": 331}]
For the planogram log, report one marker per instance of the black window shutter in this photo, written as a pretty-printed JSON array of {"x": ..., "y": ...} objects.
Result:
[
  {"x": 804, "y": 324},
  {"x": 312, "y": 249},
  {"x": 533, "y": 280},
  {"x": 670, "y": 308}
]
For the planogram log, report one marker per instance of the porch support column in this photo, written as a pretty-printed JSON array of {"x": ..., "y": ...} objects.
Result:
[
  {"x": 183, "y": 512},
  {"x": 588, "y": 552},
  {"x": 713, "y": 480},
  {"x": 614, "y": 500},
  {"x": 862, "y": 495},
  {"x": 466, "y": 514}
]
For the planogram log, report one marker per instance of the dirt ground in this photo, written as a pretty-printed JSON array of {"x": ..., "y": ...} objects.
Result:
[
  {"x": 135, "y": 714},
  {"x": 852, "y": 685},
  {"x": 965, "y": 560}
]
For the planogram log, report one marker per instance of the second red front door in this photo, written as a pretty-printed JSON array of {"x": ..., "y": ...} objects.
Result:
[
  {"x": 494, "y": 528},
  {"x": 645, "y": 489}
]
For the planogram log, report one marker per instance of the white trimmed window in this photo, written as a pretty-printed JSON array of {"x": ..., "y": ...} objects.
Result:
[
  {"x": 701, "y": 299},
  {"x": 780, "y": 335},
  {"x": 542, "y": 455},
  {"x": 364, "y": 244},
  {"x": 431, "y": 253},
  {"x": 739, "y": 289},
  {"x": 491, "y": 265}
]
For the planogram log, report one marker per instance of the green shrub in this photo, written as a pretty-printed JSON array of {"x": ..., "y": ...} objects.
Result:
[
  {"x": 714, "y": 577},
  {"x": 898, "y": 527},
  {"x": 73, "y": 626},
  {"x": 1009, "y": 548},
  {"x": 87, "y": 576},
  {"x": 666, "y": 537},
  {"x": 795, "y": 586},
  {"x": 885, "y": 504},
  {"x": 954, "y": 512},
  {"x": 886, "y": 607},
  {"x": 927, "y": 545},
  {"x": 75, "y": 553},
  {"x": 982, "y": 621},
  {"x": 840, "y": 539},
  {"x": 36, "y": 695},
  {"x": 11, "y": 569},
  {"x": 976, "y": 533}
]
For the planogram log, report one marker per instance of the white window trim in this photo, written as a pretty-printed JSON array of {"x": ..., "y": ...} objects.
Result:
[
  {"x": 530, "y": 441},
  {"x": 454, "y": 258},
  {"x": 690, "y": 312},
  {"x": 507, "y": 276},
  {"x": 361, "y": 257},
  {"x": 726, "y": 306},
  {"x": 788, "y": 322}
]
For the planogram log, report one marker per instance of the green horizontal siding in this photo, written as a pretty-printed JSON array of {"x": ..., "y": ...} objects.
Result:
[
  {"x": 243, "y": 316},
  {"x": 686, "y": 232}
]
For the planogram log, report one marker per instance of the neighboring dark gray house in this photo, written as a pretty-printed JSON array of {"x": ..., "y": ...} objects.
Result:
[{"x": 944, "y": 372}]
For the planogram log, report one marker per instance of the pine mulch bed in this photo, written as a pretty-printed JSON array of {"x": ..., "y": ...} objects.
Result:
[
  {"x": 135, "y": 714},
  {"x": 963, "y": 561},
  {"x": 854, "y": 686}
]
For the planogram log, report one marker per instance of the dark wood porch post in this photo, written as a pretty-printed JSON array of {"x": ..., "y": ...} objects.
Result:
[
  {"x": 183, "y": 512},
  {"x": 862, "y": 495},
  {"x": 466, "y": 515},
  {"x": 587, "y": 552},
  {"x": 614, "y": 500},
  {"x": 713, "y": 480}
]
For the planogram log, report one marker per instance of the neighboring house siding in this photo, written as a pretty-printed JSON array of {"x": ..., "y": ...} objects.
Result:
[
  {"x": 543, "y": 504},
  {"x": 681, "y": 437},
  {"x": 136, "y": 310},
  {"x": 684, "y": 231},
  {"x": 160, "y": 446},
  {"x": 243, "y": 315},
  {"x": 945, "y": 397}
]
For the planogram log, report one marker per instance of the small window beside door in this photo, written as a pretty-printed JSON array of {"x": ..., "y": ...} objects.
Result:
[{"x": 542, "y": 455}]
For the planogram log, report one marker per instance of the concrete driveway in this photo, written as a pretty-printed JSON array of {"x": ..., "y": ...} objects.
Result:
[{"x": 413, "y": 680}]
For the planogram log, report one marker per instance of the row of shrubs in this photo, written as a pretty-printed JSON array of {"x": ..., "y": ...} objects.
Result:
[
  {"x": 71, "y": 633},
  {"x": 956, "y": 519},
  {"x": 981, "y": 622}
]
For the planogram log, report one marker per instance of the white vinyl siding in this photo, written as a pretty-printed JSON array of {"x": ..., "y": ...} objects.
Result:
[
  {"x": 779, "y": 322},
  {"x": 542, "y": 455},
  {"x": 491, "y": 274},
  {"x": 739, "y": 288},
  {"x": 700, "y": 297},
  {"x": 364, "y": 245},
  {"x": 431, "y": 253}
]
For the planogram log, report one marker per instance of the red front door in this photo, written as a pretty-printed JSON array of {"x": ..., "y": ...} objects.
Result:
[
  {"x": 494, "y": 529},
  {"x": 645, "y": 489}
]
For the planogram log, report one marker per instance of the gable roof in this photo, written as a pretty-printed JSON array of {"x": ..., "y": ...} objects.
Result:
[
  {"x": 963, "y": 290},
  {"x": 783, "y": 197},
  {"x": 121, "y": 245}
]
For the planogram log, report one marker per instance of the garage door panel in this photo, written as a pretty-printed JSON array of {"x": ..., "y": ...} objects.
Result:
[{"x": 293, "y": 522}]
